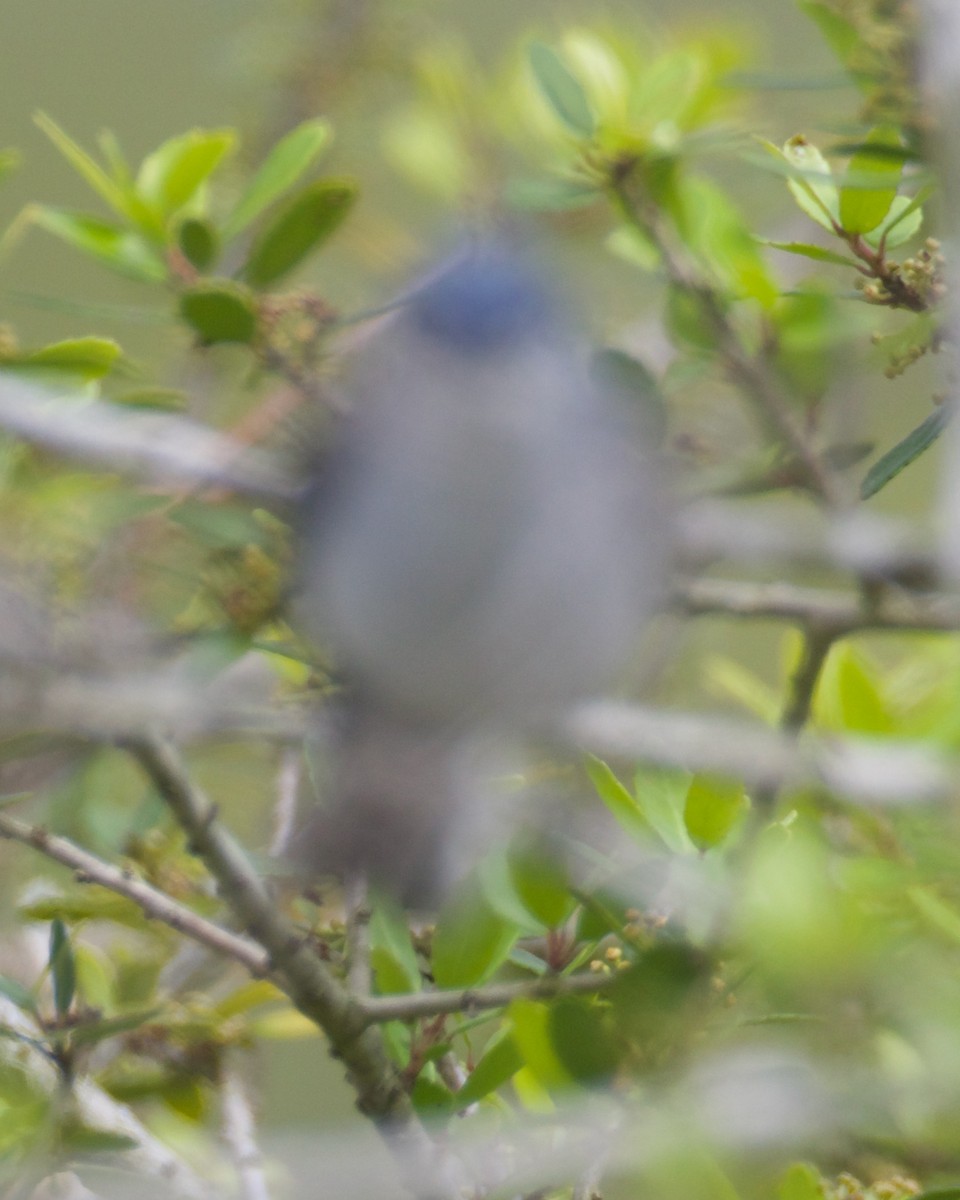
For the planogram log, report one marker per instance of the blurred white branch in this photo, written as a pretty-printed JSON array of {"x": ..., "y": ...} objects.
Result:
[
  {"x": 240, "y": 1134},
  {"x": 145, "y": 444},
  {"x": 97, "y": 1111},
  {"x": 838, "y": 611},
  {"x": 867, "y": 770}
]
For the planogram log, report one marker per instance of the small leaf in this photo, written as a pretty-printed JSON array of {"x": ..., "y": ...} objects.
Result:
[
  {"x": 21, "y": 996},
  {"x": 123, "y": 200},
  {"x": 542, "y": 886},
  {"x": 284, "y": 165},
  {"x": 110, "y": 1027},
  {"x": 122, "y": 251},
  {"x": 906, "y": 217},
  {"x": 618, "y": 799},
  {"x": 170, "y": 176},
  {"x": 815, "y": 252},
  {"x": 630, "y": 379},
  {"x": 550, "y": 195},
  {"x": 661, "y": 796},
  {"x": 198, "y": 242},
  {"x": 842, "y": 35},
  {"x": 471, "y": 940},
  {"x": 392, "y": 955},
  {"x": 712, "y": 809},
  {"x": 430, "y": 1097},
  {"x": 500, "y": 1062},
  {"x": 530, "y": 1027},
  {"x": 84, "y": 1139},
  {"x": 812, "y": 184},
  {"x": 584, "y": 1039},
  {"x": 86, "y": 357},
  {"x": 62, "y": 967},
  {"x": 561, "y": 89},
  {"x": 220, "y": 310},
  {"x": 871, "y": 182},
  {"x": 159, "y": 398},
  {"x": 902, "y": 208},
  {"x": 904, "y": 452},
  {"x": 301, "y": 226}
]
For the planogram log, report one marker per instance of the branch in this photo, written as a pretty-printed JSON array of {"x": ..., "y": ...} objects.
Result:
[
  {"x": 836, "y": 611},
  {"x": 155, "y": 904},
  {"x": 142, "y": 444},
  {"x": 150, "y": 1158},
  {"x": 310, "y": 985},
  {"x": 414, "y": 1005},
  {"x": 239, "y": 1132},
  {"x": 752, "y": 374},
  {"x": 878, "y": 771}
]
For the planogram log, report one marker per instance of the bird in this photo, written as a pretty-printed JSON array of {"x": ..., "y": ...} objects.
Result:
[{"x": 479, "y": 550}]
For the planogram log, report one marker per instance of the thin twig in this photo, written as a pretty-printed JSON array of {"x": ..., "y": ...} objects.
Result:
[
  {"x": 155, "y": 904},
  {"x": 289, "y": 771},
  {"x": 311, "y": 986},
  {"x": 839, "y": 611},
  {"x": 414, "y": 1005},
  {"x": 866, "y": 770},
  {"x": 239, "y": 1132},
  {"x": 752, "y": 374}
]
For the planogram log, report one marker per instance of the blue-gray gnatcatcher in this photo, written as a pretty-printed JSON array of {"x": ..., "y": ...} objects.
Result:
[{"x": 481, "y": 549}]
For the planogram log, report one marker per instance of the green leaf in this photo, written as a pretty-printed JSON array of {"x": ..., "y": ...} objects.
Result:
[
  {"x": 159, "y": 398},
  {"x": 618, "y": 799},
  {"x": 936, "y": 912},
  {"x": 123, "y": 200},
  {"x": 550, "y": 195},
  {"x": 902, "y": 208},
  {"x": 122, "y": 251},
  {"x": 530, "y": 1028},
  {"x": 281, "y": 169},
  {"x": 169, "y": 177},
  {"x": 812, "y": 183},
  {"x": 429, "y": 1097},
  {"x": 300, "y": 227},
  {"x": 849, "y": 695},
  {"x": 9, "y": 161},
  {"x": 220, "y": 310},
  {"x": 392, "y": 955},
  {"x": 500, "y": 1062},
  {"x": 904, "y": 452},
  {"x": 627, "y": 377},
  {"x": 584, "y": 1039},
  {"x": 661, "y": 796},
  {"x": 871, "y": 182},
  {"x": 561, "y": 89},
  {"x": 86, "y": 357},
  {"x": 198, "y": 242},
  {"x": 815, "y": 252},
  {"x": 84, "y": 1139},
  {"x": 471, "y": 940},
  {"x": 21, "y": 996},
  {"x": 110, "y": 1027},
  {"x": 712, "y": 809},
  {"x": 841, "y": 35},
  {"x": 62, "y": 967},
  {"x": 906, "y": 217},
  {"x": 542, "y": 886}
]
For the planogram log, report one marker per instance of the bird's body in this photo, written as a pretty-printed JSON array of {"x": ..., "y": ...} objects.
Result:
[{"x": 483, "y": 547}]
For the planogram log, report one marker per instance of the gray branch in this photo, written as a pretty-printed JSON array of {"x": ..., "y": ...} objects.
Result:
[{"x": 155, "y": 904}]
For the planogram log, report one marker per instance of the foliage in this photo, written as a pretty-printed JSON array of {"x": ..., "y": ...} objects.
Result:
[{"x": 718, "y": 921}]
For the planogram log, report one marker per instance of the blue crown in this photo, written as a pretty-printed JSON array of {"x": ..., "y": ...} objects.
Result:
[{"x": 483, "y": 302}]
